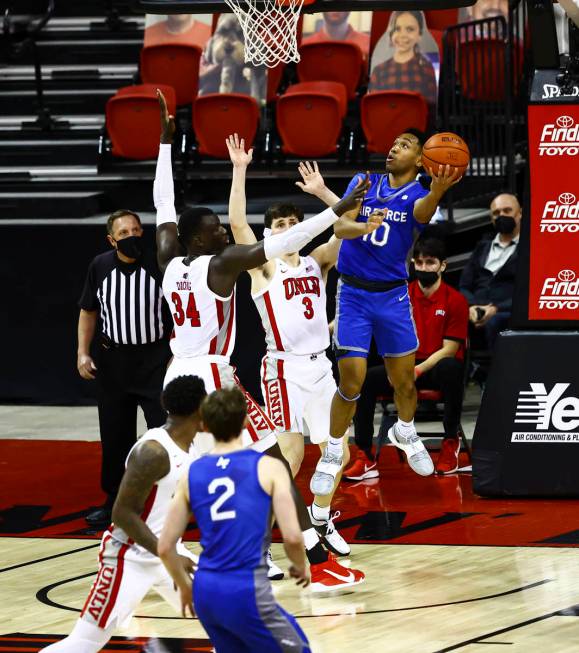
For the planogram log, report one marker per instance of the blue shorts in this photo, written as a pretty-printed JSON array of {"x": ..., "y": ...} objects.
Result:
[
  {"x": 240, "y": 615},
  {"x": 361, "y": 314}
]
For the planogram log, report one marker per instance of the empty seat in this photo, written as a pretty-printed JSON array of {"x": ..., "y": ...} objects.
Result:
[
  {"x": 309, "y": 118},
  {"x": 174, "y": 65},
  {"x": 386, "y": 114},
  {"x": 441, "y": 18},
  {"x": 332, "y": 61},
  {"x": 274, "y": 77},
  {"x": 132, "y": 120},
  {"x": 217, "y": 115}
]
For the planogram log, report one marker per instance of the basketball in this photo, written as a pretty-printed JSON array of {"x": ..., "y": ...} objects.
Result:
[{"x": 443, "y": 149}]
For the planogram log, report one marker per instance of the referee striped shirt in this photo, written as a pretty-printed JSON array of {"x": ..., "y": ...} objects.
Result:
[{"x": 128, "y": 296}]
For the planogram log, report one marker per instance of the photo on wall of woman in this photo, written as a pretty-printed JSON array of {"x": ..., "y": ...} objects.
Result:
[
  {"x": 406, "y": 58},
  {"x": 353, "y": 27}
]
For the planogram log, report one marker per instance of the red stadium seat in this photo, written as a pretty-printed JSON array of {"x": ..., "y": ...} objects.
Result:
[
  {"x": 385, "y": 114},
  {"x": 482, "y": 67},
  {"x": 174, "y": 65},
  {"x": 441, "y": 18},
  {"x": 217, "y": 115},
  {"x": 274, "y": 76},
  {"x": 132, "y": 120},
  {"x": 332, "y": 61},
  {"x": 310, "y": 121}
]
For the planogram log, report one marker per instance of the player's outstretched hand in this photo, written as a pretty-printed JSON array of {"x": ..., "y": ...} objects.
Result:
[
  {"x": 236, "y": 147},
  {"x": 312, "y": 180},
  {"x": 447, "y": 176},
  {"x": 167, "y": 121},
  {"x": 351, "y": 203},
  {"x": 301, "y": 574},
  {"x": 186, "y": 595},
  {"x": 86, "y": 367},
  {"x": 375, "y": 220}
]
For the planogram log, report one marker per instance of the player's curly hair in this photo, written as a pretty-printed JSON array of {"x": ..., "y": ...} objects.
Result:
[
  {"x": 282, "y": 210},
  {"x": 183, "y": 395},
  {"x": 190, "y": 222},
  {"x": 223, "y": 413}
]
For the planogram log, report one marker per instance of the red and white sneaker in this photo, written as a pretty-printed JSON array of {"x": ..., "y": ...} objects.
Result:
[
  {"x": 362, "y": 468},
  {"x": 331, "y": 575},
  {"x": 447, "y": 462}
]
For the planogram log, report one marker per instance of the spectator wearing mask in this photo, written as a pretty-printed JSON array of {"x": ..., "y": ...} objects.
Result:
[
  {"x": 488, "y": 278},
  {"x": 441, "y": 316}
]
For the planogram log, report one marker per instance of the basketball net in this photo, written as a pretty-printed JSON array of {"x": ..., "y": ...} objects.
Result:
[{"x": 270, "y": 30}]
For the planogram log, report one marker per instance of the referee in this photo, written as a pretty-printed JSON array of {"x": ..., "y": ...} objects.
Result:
[{"x": 122, "y": 292}]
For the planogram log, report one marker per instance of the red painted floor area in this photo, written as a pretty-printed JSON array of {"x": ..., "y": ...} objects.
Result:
[{"x": 48, "y": 485}]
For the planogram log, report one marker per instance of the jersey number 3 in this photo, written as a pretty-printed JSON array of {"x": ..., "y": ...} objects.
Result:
[
  {"x": 309, "y": 312},
  {"x": 216, "y": 513},
  {"x": 192, "y": 313}
]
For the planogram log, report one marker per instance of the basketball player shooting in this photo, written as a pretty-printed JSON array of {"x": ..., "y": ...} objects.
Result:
[
  {"x": 232, "y": 493},
  {"x": 290, "y": 295},
  {"x": 128, "y": 562},
  {"x": 199, "y": 286},
  {"x": 372, "y": 298}
]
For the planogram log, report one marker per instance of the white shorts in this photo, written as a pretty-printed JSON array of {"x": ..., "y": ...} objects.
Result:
[
  {"x": 299, "y": 389},
  {"x": 124, "y": 577},
  {"x": 216, "y": 373}
]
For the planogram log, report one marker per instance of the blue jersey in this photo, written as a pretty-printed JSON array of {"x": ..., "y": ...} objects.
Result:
[
  {"x": 232, "y": 511},
  {"x": 382, "y": 255}
]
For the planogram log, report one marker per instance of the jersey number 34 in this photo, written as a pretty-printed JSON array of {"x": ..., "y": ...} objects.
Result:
[{"x": 191, "y": 311}]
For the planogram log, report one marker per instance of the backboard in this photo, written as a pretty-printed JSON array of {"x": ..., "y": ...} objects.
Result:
[{"x": 214, "y": 6}]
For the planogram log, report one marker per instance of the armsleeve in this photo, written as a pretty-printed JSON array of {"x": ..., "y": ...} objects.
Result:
[
  {"x": 456, "y": 327},
  {"x": 163, "y": 187},
  {"x": 88, "y": 300}
]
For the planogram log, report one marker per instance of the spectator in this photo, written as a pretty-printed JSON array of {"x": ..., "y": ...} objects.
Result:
[
  {"x": 441, "y": 316},
  {"x": 408, "y": 69},
  {"x": 123, "y": 294},
  {"x": 178, "y": 29},
  {"x": 488, "y": 9},
  {"x": 337, "y": 28},
  {"x": 488, "y": 278}
]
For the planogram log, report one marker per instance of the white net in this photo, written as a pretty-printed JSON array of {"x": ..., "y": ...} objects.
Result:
[{"x": 270, "y": 30}]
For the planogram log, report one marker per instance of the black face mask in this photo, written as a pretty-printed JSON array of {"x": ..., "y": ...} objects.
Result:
[
  {"x": 426, "y": 279},
  {"x": 130, "y": 247},
  {"x": 504, "y": 224}
]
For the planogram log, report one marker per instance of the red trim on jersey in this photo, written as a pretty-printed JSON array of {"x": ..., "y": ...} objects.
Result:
[
  {"x": 220, "y": 320},
  {"x": 229, "y": 326},
  {"x": 284, "y": 397},
  {"x": 116, "y": 586},
  {"x": 149, "y": 503},
  {"x": 216, "y": 377},
  {"x": 266, "y": 386},
  {"x": 271, "y": 316},
  {"x": 106, "y": 537}
]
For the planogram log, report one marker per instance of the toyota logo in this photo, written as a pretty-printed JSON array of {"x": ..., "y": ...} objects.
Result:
[
  {"x": 566, "y": 275},
  {"x": 565, "y": 121},
  {"x": 567, "y": 198}
]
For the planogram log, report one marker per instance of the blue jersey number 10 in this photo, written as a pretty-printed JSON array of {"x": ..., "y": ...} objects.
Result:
[{"x": 379, "y": 237}]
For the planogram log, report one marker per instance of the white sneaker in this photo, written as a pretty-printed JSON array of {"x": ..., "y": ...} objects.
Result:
[
  {"x": 418, "y": 458},
  {"x": 329, "y": 535},
  {"x": 324, "y": 477},
  {"x": 273, "y": 571}
]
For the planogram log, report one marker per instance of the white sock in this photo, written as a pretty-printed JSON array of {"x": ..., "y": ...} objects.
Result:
[
  {"x": 406, "y": 429},
  {"x": 84, "y": 638},
  {"x": 335, "y": 446},
  {"x": 310, "y": 538},
  {"x": 319, "y": 513}
]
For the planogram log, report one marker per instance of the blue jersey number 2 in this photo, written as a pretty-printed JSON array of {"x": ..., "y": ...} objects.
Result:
[
  {"x": 229, "y": 485},
  {"x": 373, "y": 237}
]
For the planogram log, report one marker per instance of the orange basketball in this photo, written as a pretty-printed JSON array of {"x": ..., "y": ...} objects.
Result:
[{"x": 445, "y": 148}]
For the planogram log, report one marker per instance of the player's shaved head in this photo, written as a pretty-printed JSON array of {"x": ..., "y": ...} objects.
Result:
[
  {"x": 223, "y": 413},
  {"x": 191, "y": 222},
  {"x": 505, "y": 203}
]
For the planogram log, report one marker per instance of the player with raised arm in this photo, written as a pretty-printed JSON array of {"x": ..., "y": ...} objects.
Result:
[
  {"x": 231, "y": 492},
  {"x": 290, "y": 295},
  {"x": 372, "y": 298},
  {"x": 128, "y": 562},
  {"x": 199, "y": 286}
]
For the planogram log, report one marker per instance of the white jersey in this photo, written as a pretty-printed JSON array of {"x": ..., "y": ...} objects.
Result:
[
  {"x": 157, "y": 503},
  {"x": 293, "y": 309},
  {"x": 204, "y": 323}
]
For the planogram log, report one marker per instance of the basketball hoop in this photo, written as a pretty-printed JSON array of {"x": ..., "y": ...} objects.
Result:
[{"x": 270, "y": 29}]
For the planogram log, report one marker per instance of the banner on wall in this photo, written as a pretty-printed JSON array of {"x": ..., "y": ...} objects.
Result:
[{"x": 554, "y": 232}]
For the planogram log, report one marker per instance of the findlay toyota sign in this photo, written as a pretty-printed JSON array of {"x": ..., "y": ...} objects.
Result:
[
  {"x": 561, "y": 215},
  {"x": 560, "y": 137},
  {"x": 551, "y": 414}
]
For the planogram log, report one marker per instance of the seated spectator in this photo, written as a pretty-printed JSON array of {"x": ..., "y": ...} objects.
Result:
[
  {"x": 488, "y": 278},
  {"x": 336, "y": 27},
  {"x": 408, "y": 69},
  {"x": 178, "y": 29},
  {"x": 441, "y": 317}
]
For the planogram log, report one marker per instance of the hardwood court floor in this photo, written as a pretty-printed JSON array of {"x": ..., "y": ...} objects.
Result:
[{"x": 445, "y": 569}]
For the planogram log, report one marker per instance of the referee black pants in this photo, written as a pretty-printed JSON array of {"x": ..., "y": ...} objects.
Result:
[
  {"x": 128, "y": 376},
  {"x": 447, "y": 376}
]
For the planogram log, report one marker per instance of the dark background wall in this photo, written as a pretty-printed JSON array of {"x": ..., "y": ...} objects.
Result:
[{"x": 42, "y": 271}]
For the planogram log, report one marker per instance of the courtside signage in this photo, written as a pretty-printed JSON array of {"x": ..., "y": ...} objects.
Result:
[{"x": 561, "y": 215}]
